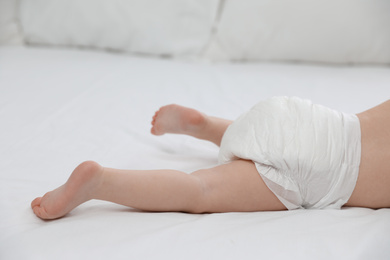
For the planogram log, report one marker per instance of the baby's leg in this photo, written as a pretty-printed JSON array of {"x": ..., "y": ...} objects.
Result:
[
  {"x": 236, "y": 186},
  {"x": 176, "y": 119}
]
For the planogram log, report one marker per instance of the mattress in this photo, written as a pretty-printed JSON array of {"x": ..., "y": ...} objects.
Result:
[{"x": 61, "y": 107}]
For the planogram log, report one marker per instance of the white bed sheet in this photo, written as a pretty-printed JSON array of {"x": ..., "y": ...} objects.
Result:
[{"x": 61, "y": 107}]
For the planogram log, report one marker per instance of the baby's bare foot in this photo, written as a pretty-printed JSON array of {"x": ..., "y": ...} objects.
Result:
[
  {"x": 78, "y": 189},
  {"x": 176, "y": 119}
]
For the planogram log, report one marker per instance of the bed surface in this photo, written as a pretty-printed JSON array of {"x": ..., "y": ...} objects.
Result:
[{"x": 61, "y": 107}]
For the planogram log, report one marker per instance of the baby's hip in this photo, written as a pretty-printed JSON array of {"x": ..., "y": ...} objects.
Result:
[{"x": 373, "y": 185}]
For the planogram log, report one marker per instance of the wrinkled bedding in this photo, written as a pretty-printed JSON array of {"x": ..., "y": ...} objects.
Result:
[{"x": 61, "y": 107}]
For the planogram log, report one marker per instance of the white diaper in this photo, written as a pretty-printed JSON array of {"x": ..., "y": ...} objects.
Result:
[{"x": 307, "y": 154}]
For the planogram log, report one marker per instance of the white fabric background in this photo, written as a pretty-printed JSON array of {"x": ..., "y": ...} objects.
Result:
[
  {"x": 324, "y": 31},
  {"x": 60, "y": 107},
  {"x": 166, "y": 27},
  {"x": 9, "y": 25},
  {"x": 335, "y": 31}
]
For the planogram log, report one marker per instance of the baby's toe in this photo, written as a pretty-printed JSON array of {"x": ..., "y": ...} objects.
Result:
[
  {"x": 153, "y": 130},
  {"x": 36, "y": 202},
  {"x": 157, "y": 129},
  {"x": 40, "y": 212}
]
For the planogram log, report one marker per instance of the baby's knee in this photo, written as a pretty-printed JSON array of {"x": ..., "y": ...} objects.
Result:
[{"x": 201, "y": 203}]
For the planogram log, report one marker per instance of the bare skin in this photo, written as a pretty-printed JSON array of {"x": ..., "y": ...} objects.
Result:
[
  {"x": 373, "y": 186},
  {"x": 231, "y": 187},
  {"x": 176, "y": 119}
]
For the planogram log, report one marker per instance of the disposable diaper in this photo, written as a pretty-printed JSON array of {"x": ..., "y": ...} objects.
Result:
[{"x": 308, "y": 155}]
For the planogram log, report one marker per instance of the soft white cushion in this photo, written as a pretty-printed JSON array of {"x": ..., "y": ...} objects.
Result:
[
  {"x": 162, "y": 27},
  {"x": 336, "y": 31},
  {"x": 9, "y": 30}
]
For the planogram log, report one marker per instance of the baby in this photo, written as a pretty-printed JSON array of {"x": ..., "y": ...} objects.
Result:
[{"x": 285, "y": 153}]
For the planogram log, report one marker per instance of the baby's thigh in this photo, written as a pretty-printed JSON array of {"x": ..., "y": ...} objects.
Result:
[{"x": 236, "y": 187}]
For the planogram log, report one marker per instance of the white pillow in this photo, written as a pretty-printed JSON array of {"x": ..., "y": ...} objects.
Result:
[
  {"x": 160, "y": 27},
  {"x": 336, "y": 31},
  {"x": 9, "y": 29}
]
